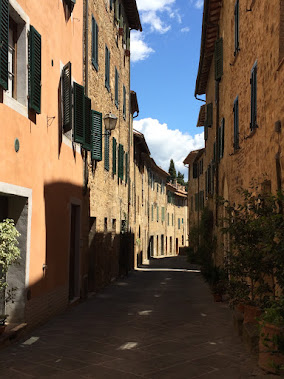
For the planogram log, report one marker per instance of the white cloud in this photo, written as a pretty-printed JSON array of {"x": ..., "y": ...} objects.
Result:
[
  {"x": 185, "y": 29},
  {"x": 198, "y": 4},
  {"x": 166, "y": 144},
  {"x": 152, "y": 11},
  {"x": 139, "y": 48}
]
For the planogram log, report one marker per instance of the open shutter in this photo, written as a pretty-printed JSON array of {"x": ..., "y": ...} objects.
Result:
[
  {"x": 113, "y": 155},
  {"x": 126, "y": 168},
  {"x": 205, "y": 132},
  {"x": 120, "y": 161},
  {"x": 87, "y": 124},
  {"x": 96, "y": 148},
  {"x": 95, "y": 43},
  {"x": 34, "y": 70},
  {"x": 79, "y": 113},
  {"x": 107, "y": 151},
  {"x": 218, "y": 54},
  {"x": 107, "y": 67},
  {"x": 67, "y": 97},
  {"x": 4, "y": 32}
]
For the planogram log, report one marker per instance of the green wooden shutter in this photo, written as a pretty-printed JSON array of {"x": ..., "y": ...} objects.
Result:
[
  {"x": 67, "y": 97},
  {"x": 124, "y": 102},
  {"x": 120, "y": 161},
  {"x": 107, "y": 67},
  {"x": 205, "y": 132},
  {"x": 79, "y": 113},
  {"x": 116, "y": 10},
  {"x": 106, "y": 150},
  {"x": 116, "y": 88},
  {"x": 218, "y": 54},
  {"x": 4, "y": 33},
  {"x": 114, "y": 155},
  {"x": 172, "y": 219},
  {"x": 253, "y": 84},
  {"x": 152, "y": 212},
  {"x": 87, "y": 124},
  {"x": 126, "y": 168},
  {"x": 236, "y": 27},
  {"x": 34, "y": 70},
  {"x": 95, "y": 33},
  {"x": 222, "y": 138},
  {"x": 179, "y": 223},
  {"x": 157, "y": 213},
  {"x": 110, "y": 4},
  {"x": 96, "y": 148},
  {"x": 168, "y": 219},
  {"x": 209, "y": 115},
  {"x": 236, "y": 124}
]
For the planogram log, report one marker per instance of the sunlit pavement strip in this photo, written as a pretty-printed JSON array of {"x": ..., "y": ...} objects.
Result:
[{"x": 166, "y": 269}]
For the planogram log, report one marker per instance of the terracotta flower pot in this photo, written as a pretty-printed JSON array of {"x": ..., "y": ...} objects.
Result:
[
  {"x": 269, "y": 358},
  {"x": 250, "y": 314}
]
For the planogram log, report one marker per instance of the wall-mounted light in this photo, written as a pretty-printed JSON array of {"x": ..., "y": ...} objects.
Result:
[{"x": 110, "y": 121}]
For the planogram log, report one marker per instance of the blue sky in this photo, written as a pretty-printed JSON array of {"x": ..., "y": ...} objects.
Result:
[{"x": 164, "y": 64}]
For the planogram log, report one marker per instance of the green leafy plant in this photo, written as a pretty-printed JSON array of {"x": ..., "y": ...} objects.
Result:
[{"x": 9, "y": 255}]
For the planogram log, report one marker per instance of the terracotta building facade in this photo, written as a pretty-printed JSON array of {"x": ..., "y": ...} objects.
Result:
[{"x": 241, "y": 75}]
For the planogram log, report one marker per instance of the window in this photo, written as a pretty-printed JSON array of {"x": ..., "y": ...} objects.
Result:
[
  {"x": 152, "y": 213},
  {"x": 168, "y": 219},
  {"x": 126, "y": 171},
  {"x": 66, "y": 81},
  {"x": 253, "y": 85},
  {"x": 113, "y": 226},
  {"x": 116, "y": 88},
  {"x": 182, "y": 220},
  {"x": 107, "y": 68},
  {"x": 157, "y": 213},
  {"x": 106, "y": 150},
  {"x": 178, "y": 223},
  {"x": 182, "y": 240},
  {"x": 95, "y": 34},
  {"x": 236, "y": 123},
  {"x": 114, "y": 155},
  {"x": 105, "y": 225},
  {"x": 218, "y": 58},
  {"x": 171, "y": 244},
  {"x": 195, "y": 170},
  {"x": 209, "y": 115},
  {"x": 172, "y": 219},
  {"x": 201, "y": 166},
  {"x": 163, "y": 213},
  {"x": 237, "y": 48},
  {"x": 124, "y": 102},
  {"x": 20, "y": 60}
]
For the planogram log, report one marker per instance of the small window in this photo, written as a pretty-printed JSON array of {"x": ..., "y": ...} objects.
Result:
[
  {"x": 105, "y": 225},
  {"x": 179, "y": 223},
  {"x": 172, "y": 219},
  {"x": 113, "y": 226},
  {"x": 218, "y": 55},
  {"x": 182, "y": 240},
  {"x": 236, "y": 124},
  {"x": 253, "y": 86},
  {"x": 106, "y": 150},
  {"x": 237, "y": 48},
  {"x": 107, "y": 68},
  {"x": 95, "y": 35},
  {"x": 168, "y": 219},
  {"x": 116, "y": 88}
]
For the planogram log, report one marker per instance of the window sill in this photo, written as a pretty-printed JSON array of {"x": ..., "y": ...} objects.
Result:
[{"x": 15, "y": 105}]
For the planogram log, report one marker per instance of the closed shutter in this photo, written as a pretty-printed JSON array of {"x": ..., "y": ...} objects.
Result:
[
  {"x": 107, "y": 67},
  {"x": 222, "y": 137},
  {"x": 209, "y": 115},
  {"x": 120, "y": 161},
  {"x": 205, "y": 132},
  {"x": 87, "y": 124},
  {"x": 95, "y": 34},
  {"x": 4, "y": 32},
  {"x": 179, "y": 223},
  {"x": 218, "y": 54},
  {"x": 107, "y": 151},
  {"x": 124, "y": 102},
  {"x": 34, "y": 70},
  {"x": 236, "y": 27},
  {"x": 96, "y": 148},
  {"x": 126, "y": 169},
  {"x": 195, "y": 170},
  {"x": 236, "y": 124},
  {"x": 79, "y": 113},
  {"x": 253, "y": 85},
  {"x": 114, "y": 155},
  {"x": 157, "y": 213},
  {"x": 116, "y": 10},
  {"x": 116, "y": 88},
  {"x": 168, "y": 219},
  {"x": 67, "y": 97}
]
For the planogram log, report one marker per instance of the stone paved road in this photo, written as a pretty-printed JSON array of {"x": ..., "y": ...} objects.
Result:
[{"x": 153, "y": 324}]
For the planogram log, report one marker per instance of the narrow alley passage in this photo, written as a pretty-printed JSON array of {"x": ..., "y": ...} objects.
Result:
[{"x": 157, "y": 323}]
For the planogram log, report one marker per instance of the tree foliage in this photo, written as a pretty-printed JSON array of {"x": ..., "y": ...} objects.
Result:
[{"x": 172, "y": 170}]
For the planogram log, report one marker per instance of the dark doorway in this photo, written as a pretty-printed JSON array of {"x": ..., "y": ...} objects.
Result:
[
  {"x": 74, "y": 263},
  {"x": 176, "y": 246},
  {"x": 150, "y": 247}
]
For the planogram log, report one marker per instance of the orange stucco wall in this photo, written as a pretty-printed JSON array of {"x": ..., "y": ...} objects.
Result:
[{"x": 38, "y": 162}]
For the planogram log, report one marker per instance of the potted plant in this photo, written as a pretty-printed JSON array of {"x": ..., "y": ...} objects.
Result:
[
  {"x": 271, "y": 342},
  {"x": 9, "y": 254}
]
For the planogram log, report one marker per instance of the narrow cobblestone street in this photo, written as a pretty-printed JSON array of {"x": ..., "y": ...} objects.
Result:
[{"x": 157, "y": 323}]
